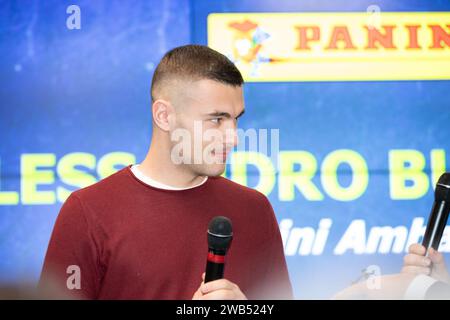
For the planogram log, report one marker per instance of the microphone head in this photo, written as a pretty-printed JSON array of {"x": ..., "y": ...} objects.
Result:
[
  {"x": 442, "y": 192},
  {"x": 220, "y": 233}
]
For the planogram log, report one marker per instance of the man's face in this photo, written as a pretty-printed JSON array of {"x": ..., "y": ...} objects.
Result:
[{"x": 206, "y": 122}]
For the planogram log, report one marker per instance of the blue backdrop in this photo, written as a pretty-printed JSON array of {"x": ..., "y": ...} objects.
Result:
[{"x": 86, "y": 91}]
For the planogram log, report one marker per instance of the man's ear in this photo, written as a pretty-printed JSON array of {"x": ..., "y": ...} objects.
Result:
[{"x": 162, "y": 112}]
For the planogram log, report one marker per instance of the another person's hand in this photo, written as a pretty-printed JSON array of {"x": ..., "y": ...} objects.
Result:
[
  {"x": 433, "y": 265},
  {"x": 221, "y": 289},
  {"x": 391, "y": 287}
]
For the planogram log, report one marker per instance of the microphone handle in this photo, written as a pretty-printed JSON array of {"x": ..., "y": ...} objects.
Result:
[
  {"x": 436, "y": 225},
  {"x": 215, "y": 265}
]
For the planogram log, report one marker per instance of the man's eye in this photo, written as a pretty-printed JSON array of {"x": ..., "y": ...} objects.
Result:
[{"x": 216, "y": 120}]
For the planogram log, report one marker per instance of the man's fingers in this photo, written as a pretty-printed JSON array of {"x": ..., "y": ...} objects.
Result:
[
  {"x": 435, "y": 256},
  {"x": 221, "y": 289},
  {"x": 416, "y": 270},
  {"x": 432, "y": 265},
  {"x": 217, "y": 285},
  {"x": 416, "y": 260},
  {"x": 222, "y": 294},
  {"x": 439, "y": 270},
  {"x": 197, "y": 295},
  {"x": 418, "y": 249}
]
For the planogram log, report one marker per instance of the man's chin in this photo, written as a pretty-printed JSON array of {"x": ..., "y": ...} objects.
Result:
[{"x": 213, "y": 170}]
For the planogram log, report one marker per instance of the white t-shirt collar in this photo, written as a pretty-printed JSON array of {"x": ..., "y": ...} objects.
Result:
[{"x": 147, "y": 180}]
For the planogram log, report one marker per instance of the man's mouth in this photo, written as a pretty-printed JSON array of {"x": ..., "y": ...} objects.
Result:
[{"x": 220, "y": 155}]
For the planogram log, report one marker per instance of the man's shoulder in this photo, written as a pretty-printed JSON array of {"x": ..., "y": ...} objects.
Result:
[
  {"x": 106, "y": 187},
  {"x": 240, "y": 191}
]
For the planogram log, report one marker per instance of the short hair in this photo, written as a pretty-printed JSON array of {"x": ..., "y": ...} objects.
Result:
[{"x": 195, "y": 62}]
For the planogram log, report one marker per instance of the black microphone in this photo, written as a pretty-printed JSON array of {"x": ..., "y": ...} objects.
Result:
[
  {"x": 439, "y": 213},
  {"x": 220, "y": 234}
]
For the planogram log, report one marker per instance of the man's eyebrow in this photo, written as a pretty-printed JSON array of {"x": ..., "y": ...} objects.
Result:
[
  {"x": 240, "y": 114},
  {"x": 224, "y": 114},
  {"x": 219, "y": 114}
]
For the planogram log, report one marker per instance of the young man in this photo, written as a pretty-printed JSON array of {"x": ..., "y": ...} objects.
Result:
[{"x": 141, "y": 233}]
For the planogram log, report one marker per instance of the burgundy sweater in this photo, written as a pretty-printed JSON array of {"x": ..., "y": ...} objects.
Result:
[{"x": 134, "y": 241}]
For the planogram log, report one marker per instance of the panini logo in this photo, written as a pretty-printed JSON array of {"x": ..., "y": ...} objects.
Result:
[{"x": 339, "y": 46}]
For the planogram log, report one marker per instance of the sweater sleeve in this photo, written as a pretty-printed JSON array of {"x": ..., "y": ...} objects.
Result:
[
  {"x": 71, "y": 268},
  {"x": 275, "y": 284}
]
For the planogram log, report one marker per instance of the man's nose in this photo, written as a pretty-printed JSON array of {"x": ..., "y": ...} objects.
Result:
[
  {"x": 231, "y": 137},
  {"x": 235, "y": 138}
]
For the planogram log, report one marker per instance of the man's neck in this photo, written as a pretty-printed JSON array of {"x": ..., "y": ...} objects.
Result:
[{"x": 158, "y": 166}]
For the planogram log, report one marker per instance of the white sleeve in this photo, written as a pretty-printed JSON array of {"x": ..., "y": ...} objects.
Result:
[{"x": 418, "y": 287}]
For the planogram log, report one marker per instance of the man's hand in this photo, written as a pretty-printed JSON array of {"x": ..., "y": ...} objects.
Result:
[
  {"x": 221, "y": 289},
  {"x": 433, "y": 265}
]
